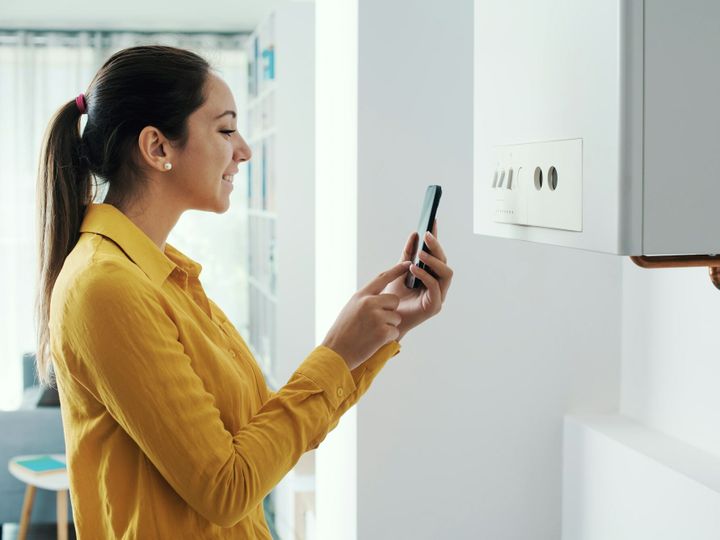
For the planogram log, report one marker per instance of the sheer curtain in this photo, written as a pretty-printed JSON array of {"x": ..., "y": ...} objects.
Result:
[{"x": 39, "y": 71}]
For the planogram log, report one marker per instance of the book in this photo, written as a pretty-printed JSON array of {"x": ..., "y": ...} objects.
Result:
[{"x": 40, "y": 465}]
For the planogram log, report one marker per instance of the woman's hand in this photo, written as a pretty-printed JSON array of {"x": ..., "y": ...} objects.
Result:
[
  {"x": 418, "y": 305},
  {"x": 368, "y": 321}
]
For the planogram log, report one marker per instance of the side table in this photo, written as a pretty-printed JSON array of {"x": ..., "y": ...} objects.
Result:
[{"x": 56, "y": 481}]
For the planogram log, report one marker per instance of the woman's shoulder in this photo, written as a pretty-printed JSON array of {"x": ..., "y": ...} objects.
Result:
[{"x": 95, "y": 264}]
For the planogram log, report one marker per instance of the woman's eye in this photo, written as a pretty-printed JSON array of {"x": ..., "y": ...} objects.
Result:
[{"x": 228, "y": 131}]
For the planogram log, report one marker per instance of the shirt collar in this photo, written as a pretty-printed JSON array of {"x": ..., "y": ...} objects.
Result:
[{"x": 108, "y": 221}]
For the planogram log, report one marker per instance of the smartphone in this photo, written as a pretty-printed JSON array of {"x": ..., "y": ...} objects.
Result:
[{"x": 427, "y": 218}]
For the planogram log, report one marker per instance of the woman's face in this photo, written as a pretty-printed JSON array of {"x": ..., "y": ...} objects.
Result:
[{"x": 213, "y": 150}]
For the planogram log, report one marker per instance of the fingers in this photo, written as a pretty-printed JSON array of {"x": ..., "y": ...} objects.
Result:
[
  {"x": 410, "y": 247},
  {"x": 393, "y": 332},
  {"x": 393, "y": 318},
  {"x": 388, "y": 301},
  {"x": 440, "y": 269},
  {"x": 435, "y": 247},
  {"x": 381, "y": 281},
  {"x": 431, "y": 284}
]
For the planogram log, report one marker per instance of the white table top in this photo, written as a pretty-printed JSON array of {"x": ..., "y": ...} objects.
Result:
[{"x": 55, "y": 481}]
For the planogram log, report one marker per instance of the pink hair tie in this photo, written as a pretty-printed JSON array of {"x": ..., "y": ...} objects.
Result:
[{"x": 80, "y": 102}]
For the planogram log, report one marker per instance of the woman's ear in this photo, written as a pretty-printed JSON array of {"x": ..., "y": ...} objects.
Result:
[{"x": 154, "y": 148}]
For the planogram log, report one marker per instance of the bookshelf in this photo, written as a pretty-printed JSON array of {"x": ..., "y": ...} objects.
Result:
[
  {"x": 280, "y": 190},
  {"x": 281, "y": 220}
]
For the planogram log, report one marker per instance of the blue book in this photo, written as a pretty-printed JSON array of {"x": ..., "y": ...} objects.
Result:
[
  {"x": 41, "y": 464},
  {"x": 269, "y": 57}
]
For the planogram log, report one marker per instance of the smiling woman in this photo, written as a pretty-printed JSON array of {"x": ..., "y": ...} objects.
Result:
[
  {"x": 155, "y": 383},
  {"x": 164, "y": 146}
]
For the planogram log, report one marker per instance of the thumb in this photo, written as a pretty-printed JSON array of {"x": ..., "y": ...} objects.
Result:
[
  {"x": 410, "y": 247},
  {"x": 383, "y": 279}
]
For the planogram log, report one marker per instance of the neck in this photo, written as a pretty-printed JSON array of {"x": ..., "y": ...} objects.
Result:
[{"x": 155, "y": 217}]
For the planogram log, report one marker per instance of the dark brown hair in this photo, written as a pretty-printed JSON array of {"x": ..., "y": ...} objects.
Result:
[{"x": 136, "y": 87}]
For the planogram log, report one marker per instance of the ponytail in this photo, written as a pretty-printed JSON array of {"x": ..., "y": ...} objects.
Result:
[{"x": 63, "y": 192}]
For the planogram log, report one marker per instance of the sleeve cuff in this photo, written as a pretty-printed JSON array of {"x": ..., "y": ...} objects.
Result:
[
  {"x": 377, "y": 360},
  {"x": 328, "y": 370}
]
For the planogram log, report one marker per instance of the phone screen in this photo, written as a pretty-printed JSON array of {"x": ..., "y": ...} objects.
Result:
[{"x": 427, "y": 217}]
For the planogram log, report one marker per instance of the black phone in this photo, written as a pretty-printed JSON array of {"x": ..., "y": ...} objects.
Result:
[{"x": 427, "y": 218}]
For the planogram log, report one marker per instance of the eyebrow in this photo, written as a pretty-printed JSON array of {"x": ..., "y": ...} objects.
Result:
[{"x": 234, "y": 115}]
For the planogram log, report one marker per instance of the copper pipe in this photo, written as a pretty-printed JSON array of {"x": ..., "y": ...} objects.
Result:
[
  {"x": 682, "y": 261},
  {"x": 715, "y": 276}
]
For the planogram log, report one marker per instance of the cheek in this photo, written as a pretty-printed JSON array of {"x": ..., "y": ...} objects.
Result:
[
  {"x": 207, "y": 157},
  {"x": 218, "y": 152},
  {"x": 227, "y": 151}
]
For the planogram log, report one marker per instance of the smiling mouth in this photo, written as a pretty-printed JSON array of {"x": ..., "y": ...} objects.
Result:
[{"x": 227, "y": 178}]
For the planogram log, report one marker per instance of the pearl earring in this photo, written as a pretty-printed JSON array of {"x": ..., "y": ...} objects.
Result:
[{"x": 168, "y": 166}]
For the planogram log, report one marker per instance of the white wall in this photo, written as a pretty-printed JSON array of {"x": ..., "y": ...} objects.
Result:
[
  {"x": 625, "y": 481},
  {"x": 461, "y": 434},
  {"x": 335, "y": 243},
  {"x": 671, "y": 370}
]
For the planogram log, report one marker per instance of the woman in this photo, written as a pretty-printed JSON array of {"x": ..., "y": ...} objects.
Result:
[{"x": 169, "y": 427}]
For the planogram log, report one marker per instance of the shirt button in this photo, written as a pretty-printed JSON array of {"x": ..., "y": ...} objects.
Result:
[
  {"x": 340, "y": 392},
  {"x": 233, "y": 353}
]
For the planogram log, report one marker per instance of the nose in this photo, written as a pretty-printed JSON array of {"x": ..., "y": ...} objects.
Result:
[{"x": 242, "y": 151}]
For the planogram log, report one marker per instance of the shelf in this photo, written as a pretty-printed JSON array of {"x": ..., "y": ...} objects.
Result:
[
  {"x": 259, "y": 212},
  {"x": 280, "y": 188},
  {"x": 624, "y": 480},
  {"x": 253, "y": 281},
  {"x": 262, "y": 173},
  {"x": 261, "y": 135},
  {"x": 280, "y": 185},
  {"x": 257, "y": 100}
]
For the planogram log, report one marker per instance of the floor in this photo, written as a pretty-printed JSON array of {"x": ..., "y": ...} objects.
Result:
[{"x": 9, "y": 531}]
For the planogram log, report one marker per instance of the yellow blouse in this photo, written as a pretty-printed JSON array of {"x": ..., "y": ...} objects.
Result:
[{"x": 170, "y": 429}]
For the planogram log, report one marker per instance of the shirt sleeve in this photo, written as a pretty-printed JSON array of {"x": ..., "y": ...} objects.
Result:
[
  {"x": 131, "y": 357},
  {"x": 363, "y": 376}
]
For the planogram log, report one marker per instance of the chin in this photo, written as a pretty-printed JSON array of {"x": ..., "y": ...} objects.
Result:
[
  {"x": 222, "y": 206},
  {"x": 217, "y": 206}
]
